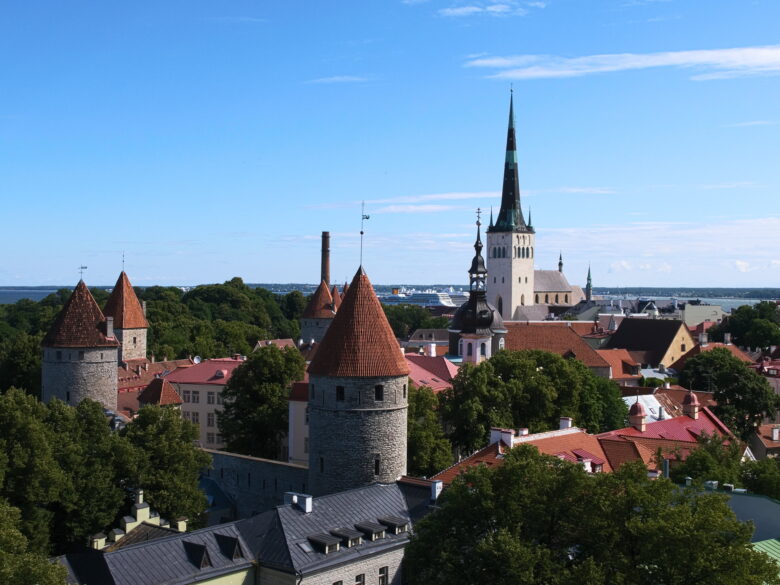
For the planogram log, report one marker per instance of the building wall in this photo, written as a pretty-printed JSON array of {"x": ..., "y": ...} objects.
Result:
[
  {"x": 298, "y": 433},
  {"x": 346, "y": 437},
  {"x": 132, "y": 344},
  {"x": 73, "y": 374},
  {"x": 254, "y": 484},
  {"x": 554, "y": 297},
  {"x": 682, "y": 343},
  {"x": 368, "y": 566},
  {"x": 695, "y": 314},
  {"x": 242, "y": 577},
  {"x": 510, "y": 279},
  {"x": 314, "y": 329},
  {"x": 202, "y": 403}
]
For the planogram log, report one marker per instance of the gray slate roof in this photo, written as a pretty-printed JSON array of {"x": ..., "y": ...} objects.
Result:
[{"x": 550, "y": 281}]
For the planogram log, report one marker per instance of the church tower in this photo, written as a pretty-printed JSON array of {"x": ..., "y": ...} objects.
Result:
[
  {"x": 130, "y": 323},
  {"x": 80, "y": 353},
  {"x": 477, "y": 330},
  {"x": 358, "y": 397},
  {"x": 510, "y": 241},
  {"x": 589, "y": 288}
]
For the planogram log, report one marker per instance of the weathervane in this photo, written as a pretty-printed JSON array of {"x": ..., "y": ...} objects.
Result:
[
  {"x": 363, "y": 218},
  {"x": 123, "y": 260},
  {"x": 81, "y": 272},
  {"x": 479, "y": 213}
]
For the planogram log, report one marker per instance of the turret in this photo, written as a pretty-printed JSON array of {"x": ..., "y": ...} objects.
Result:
[
  {"x": 130, "y": 325},
  {"x": 80, "y": 353},
  {"x": 358, "y": 397},
  {"x": 636, "y": 416},
  {"x": 318, "y": 314}
]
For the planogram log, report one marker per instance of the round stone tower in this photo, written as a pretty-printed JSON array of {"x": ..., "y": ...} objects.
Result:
[
  {"x": 318, "y": 315},
  {"x": 130, "y": 323},
  {"x": 80, "y": 353},
  {"x": 358, "y": 396}
]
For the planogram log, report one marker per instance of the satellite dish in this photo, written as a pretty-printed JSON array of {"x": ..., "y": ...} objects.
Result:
[{"x": 197, "y": 359}]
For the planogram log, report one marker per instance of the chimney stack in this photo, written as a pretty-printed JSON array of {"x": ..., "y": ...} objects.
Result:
[
  {"x": 143, "y": 306},
  {"x": 776, "y": 433},
  {"x": 109, "y": 326},
  {"x": 727, "y": 338},
  {"x": 703, "y": 338},
  {"x": 565, "y": 423},
  {"x": 325, "y": 264}
]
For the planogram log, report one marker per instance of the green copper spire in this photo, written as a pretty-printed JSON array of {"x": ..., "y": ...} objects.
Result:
[
  {"x": 510, "y": 217},
  {"x": 589, "y": 287}
]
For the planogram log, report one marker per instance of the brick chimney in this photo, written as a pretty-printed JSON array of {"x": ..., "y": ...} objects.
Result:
[{"x": 325, "y": 263}]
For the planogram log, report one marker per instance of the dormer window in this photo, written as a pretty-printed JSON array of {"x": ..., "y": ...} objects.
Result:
[
  {"x": 324, "y": 543},
  {"x": 371, "y": 530},
  {"x": 395, "y": 524},
  {"x": 349, "y": 536}
]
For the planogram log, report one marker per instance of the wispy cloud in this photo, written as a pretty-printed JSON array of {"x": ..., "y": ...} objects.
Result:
[
  {"x": 237, "y": 19},
  {"x": 712, "y": 63},
  {"x": 414, "y": 208},
  {"x": 491, "y": 8},
  {"x": 339, "y": 79},
  {"x": 751, "y": 123}
]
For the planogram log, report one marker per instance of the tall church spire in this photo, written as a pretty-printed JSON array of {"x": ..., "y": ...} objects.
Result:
[
  {"x": 477, "y": 272},
  {"x": 560, "y": 262},
  {"x": 510, "y": 218},
  {"x": 589, "y": 287}
]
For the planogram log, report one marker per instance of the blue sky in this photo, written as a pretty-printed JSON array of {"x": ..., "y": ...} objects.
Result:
[{"x": 213, "y": 139}]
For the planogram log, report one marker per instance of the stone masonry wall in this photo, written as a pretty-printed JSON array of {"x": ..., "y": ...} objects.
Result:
[
  {"x": 314, "y": 329},
  {"x": 129, "y": 350},
  {"x": 255, "y": 484},
  {"x": 346, "y": 437},
  {"x": 73, "y": 374}
]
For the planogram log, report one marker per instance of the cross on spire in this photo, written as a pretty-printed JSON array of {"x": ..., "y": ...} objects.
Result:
[
  {"x": 81, "y": 272},
  {"x": 363, "y": 218}
]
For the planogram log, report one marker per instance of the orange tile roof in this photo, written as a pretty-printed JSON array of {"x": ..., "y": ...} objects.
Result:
[
  {"x": 124, "y": 307},
  {"x": 764, "y": 433},
  {"x": 136, "y": 374},
  {"x": 359, "y": 342},
  {"x": 619, "y": 451},
  {"x": 491, "y": 455},
  {"x": 159, "y": 391},
  {"x": 321, "y": 304},
  {"x": 80, "y": 323},
  {"x": 577, "y": 444},
  {"x": 557, "y": 338},
  {"x": 621, "y": 363},
  {"x": 215, "y": 371},
  {"x": 698, "y": 348},
  {"x": 434, "y": 372},
  {"x": 336, "y": 296}
]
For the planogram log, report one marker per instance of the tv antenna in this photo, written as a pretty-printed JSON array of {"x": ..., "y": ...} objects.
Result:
[
  {"x": 363, "y": 218},
  {"x": 81, "y": 272}
]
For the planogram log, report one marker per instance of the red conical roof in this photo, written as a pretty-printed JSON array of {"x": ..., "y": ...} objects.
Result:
[
  {"x": 334, "y": 294},
  {"x": 124, "y": 307},
  {"x": 359, "y": 342},
  {"x": 159, "y": 391},
  {"x": 80, "y": 323},
  {"x": 321, "y": 304}
]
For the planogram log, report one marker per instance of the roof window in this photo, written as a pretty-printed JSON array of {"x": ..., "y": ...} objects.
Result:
[
  {"x": 324, "y": 543},
  {"x": 349, "y": 536},
  {"x": 371, "y": 530},
  {"x": 395, "y": 524}
]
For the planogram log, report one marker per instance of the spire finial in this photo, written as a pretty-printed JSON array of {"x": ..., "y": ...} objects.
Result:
[
  {"x": 123, "y": 260},
  {"x": 363, "y": 218},
  {"x": 81, "y": 272}
]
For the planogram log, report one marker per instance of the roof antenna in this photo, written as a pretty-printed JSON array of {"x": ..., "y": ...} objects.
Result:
[
  {"x": 123, "y": 260},
  {"x": 81, "y": 272},
  {"x": 363, "y": 218}
]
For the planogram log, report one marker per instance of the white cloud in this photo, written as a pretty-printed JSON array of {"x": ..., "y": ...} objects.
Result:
[
  {"x": 506, "y": 8},
  {"x": 751, "y": 123},
  {"x": 339, "y": 79},
  {"x": 715, "y": 63},
  {"x": 743, "y": 266}
]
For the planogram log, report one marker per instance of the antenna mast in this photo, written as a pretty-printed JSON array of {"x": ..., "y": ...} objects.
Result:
[{"x": 363, "y": 218}]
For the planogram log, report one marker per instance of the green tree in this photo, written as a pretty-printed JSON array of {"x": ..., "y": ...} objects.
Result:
[
  {"x": 428, "y": 450},
  {"x": 536, "y": 519},
  {"x": 20, "y": 362},
  {"x": 716, "y": 458},
  {"x": 405, "y": 319},
  {"x": 743, "y": 396},
  {"x": 741, "y": 320},
  {"x": 18, "y": 563},
  {"x": 762, "y": 333},
  {"x": 762, "y": 477},
  {"x": 254, "y": 417},
  {"x": 167, "y": 464}
]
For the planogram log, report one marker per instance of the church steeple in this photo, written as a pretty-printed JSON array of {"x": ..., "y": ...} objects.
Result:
[
  {"x": 560, "y": 262},
  {"x": 477, "y": 272},
  {"x": 510, "y": 217},
  {"x": 589, "y": 287}
]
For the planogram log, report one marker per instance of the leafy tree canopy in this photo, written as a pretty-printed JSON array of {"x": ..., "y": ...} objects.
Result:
[
  {"x": 530, "y": 389},
  {"x": 743, "y": 396},
  {"x": 743, "y": 320},
  {"x": 539, "y": 520},
  {"x": 406, "y": 319},
  {"x": 428, "y": 450},
  {"x": 254, "y": 417}
]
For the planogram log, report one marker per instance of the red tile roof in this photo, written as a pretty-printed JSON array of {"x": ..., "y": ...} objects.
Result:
[
  {"x": 698, "y": 348},
  {"x": 678, "y": 394},
  {"x": 491, "y": 455},
  {"x": 620, "y": 451},
  {"x": 137, "y": 374},
  {"x": 434, "y": 372},
  {"x": 621, "y": 363},
  {"x": 764, "y": 433},
  {"x": 159, "y": 391},
  {"x": 679, "y": 428},
  {"x": 321, "y": 304},
  {"x": 80, "y": 323},
  {"x": 124, "y": 307},
  {"x": 280, "y": 343},
  {"x": 336, "y": 296},
  {"x": 555, "y": 338},
  {"x": 359, "y": 342},
  {"x": 574, "y": 442},
  {"x": 216, "y": 371}
]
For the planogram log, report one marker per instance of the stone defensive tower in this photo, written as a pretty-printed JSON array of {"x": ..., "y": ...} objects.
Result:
[
  {"x": 80, "y": 353},
  {"x": 318, "y": 314},
  {"x": 510, "y": 241},
  {"x": 358, "y": 397},
  {"x": 130, "y": 323}
]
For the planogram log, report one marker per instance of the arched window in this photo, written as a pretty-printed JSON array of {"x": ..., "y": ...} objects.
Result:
[
  {"x": 537, "y": 299},
  {"x": 546, "y": 298},
  {"x": 500, "y": 305},
  {"x": 460, "y": 347},
  {"x": 501, "y": 343},
  {"x": 566, "y": 299},
  {"x": 522, "y": 299},
  {"x": 532, "y": 252},
  {"x": 469, "y": 349},
  {"x": 483, "y": 349},
  {"x": 556, "y": 299},
  {"x": 527, "y": 252}
]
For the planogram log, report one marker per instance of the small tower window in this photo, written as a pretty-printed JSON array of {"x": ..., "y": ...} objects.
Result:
[
  {"x": 404, "y": 390},
  {"x": 81, "y": 354},
  {"x": 379, "y": 392},
  {"x": 522, "y": 299},
  {"x": 376, "y": 465},
  {"x": 483, "y": 349},
  {"x": 340, "y": 393},
  {"x": 501, "y": 343},
  {"x": 556, "y": 299},
  {"x": 546, "y": 298},
  {"x": 135, "y": 341},
  {"x": 460, "y": 347},
  {"x": 537, "y": 299},
  {"x": 59, "y": 356},
  {"x": 469, "y": 349}
]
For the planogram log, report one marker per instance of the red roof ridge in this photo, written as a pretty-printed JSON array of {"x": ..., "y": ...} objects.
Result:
[
  {"x": 321, "y": 304},
  {"x": 359, "y": 342},
  {"x": 159, "y": 391},
  {"x": 80, "y": 323},
  {"x": 124, "y": 307}
]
